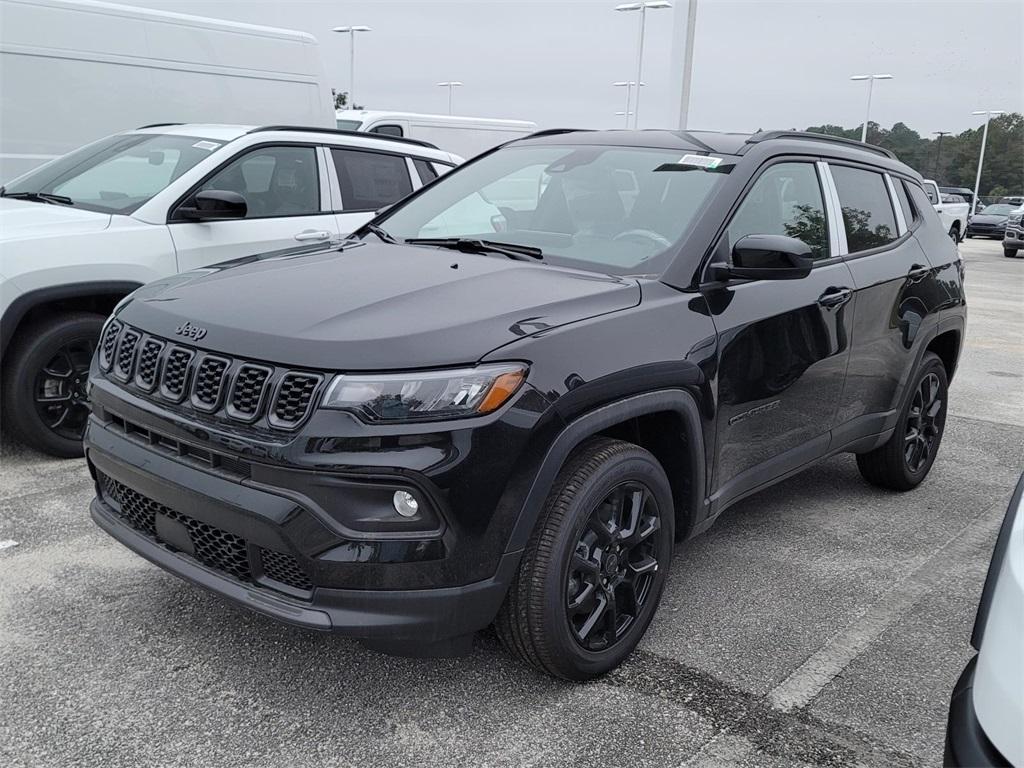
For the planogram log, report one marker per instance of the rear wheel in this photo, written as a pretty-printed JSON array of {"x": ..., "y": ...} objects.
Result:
[
  {"x": 904, "y": 461},
  {"x": 44, "y": 384},
  {"x": 593, "y": 572}
]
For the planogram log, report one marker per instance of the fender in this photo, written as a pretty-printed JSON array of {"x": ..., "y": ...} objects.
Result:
[
  {"x": 18, "y": 308},
  {"x": 678, "y": 400}
]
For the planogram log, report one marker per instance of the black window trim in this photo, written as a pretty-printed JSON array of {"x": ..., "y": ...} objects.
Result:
[
  {"x": 375, "y": 152},
  {"x": 881, "y": 172},
  {"x": 716, "y": 241},
  {"x": 173, "y": 208}
]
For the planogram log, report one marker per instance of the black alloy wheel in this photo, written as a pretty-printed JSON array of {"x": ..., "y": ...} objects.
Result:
[
  {"x": 924, "y": 423},
  {"x": 613, "y": 567}
]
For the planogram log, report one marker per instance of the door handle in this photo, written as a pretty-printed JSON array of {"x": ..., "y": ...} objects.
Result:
[
  {"x": 312, "y": 234},
  {"x": 918, "y": 272},
  {"x": 835, "y": 297}
]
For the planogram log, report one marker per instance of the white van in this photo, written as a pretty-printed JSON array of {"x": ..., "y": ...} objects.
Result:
[
  {"x": 74, "y": 71},
  {"x": 466, "y": 136}
]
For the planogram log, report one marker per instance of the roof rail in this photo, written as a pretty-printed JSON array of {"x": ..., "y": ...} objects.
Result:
[
  {"x": 157, "y": 125},
  {"x": 552, "y": 132},
  {"x": 769, "y": 135},
  {"x": 340, "y": 132}
]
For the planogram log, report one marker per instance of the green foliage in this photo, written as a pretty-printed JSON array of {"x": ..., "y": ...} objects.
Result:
[
  {"x": 341, "y": 100},
  {"x": 958, "y": 163}
]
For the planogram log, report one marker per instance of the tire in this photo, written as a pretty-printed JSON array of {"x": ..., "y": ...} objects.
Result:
[
  {"x": 905, "y": 460},
  {"x": 954, "y": 233},
  {"x": 968, "y": 236},
  {"x": 567, "y": 561},
  {"x": 1010, "y": 253},
  {"x": 50, "y": 356}
]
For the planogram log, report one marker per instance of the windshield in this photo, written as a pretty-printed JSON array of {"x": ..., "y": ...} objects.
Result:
[
  {"x": 117, "y": 174},
  {"x": 349, "y": 125},
  {"x": 607, "y": 209},
  {"x": 996, "y": 210}
]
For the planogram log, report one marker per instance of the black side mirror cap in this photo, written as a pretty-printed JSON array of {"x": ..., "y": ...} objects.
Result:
[
  {"x": 766, "y": 257},
  {"x": 214, "y": 205}
]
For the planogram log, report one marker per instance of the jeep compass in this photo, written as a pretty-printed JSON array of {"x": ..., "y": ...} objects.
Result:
[{"x": 505, "y": 399}]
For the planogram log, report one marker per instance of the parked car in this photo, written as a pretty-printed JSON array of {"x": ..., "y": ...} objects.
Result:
[
  {"x": 1013, "y": 235},
  {"x": 115, "y": 65},
  {"x": 953, "y": 210},
  {"x": 990, "y": 222},
  {"x": 987, "y": 707},
  {"x": 965, "y": 192},
  {"x": 1015, "y": 200},
  {"x": 467, "y": 136},
  {"x": 82, "y": 232},
  {"x": 505, "y": 407}
]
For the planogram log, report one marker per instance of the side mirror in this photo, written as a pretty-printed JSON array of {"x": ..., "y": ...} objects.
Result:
[
  {"x": 214, "y": 205},
  {"x": 767, "y": 257}
]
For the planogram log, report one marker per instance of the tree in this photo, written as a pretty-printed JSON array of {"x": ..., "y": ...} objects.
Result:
[{"x": 341, "y": 100}]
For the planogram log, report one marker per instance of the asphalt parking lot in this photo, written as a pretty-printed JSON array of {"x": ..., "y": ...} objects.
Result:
[{"x": 822, "y": 622}]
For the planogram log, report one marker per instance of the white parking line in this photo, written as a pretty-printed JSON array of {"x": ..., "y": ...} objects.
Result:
[{"x": 808, "y": 680}]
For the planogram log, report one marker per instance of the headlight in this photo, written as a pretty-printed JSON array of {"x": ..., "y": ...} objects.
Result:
[
  {"x": 1015, "y": 219},
  {"x": 426, "y": 395}
]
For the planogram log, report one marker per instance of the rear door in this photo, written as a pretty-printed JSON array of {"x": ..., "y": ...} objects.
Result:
[
  {"x": 896, "y": 295},
  {"x": 286, "y": 193},
  {"x": 783, "y": 344},
  {"x": 368, "y": 180}
]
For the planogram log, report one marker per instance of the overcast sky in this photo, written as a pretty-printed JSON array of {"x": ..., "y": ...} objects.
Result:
[{"x": 758, "y": 64}]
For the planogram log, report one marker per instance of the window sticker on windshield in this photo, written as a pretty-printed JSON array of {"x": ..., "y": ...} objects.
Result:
[
  {"x": 697, "y": 163},
  {"x": 209, "y": 146},
  {"x": 701, "y": 161}
]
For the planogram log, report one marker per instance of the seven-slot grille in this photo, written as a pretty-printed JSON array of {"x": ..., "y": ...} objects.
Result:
[{"x": 236, "y": 390}]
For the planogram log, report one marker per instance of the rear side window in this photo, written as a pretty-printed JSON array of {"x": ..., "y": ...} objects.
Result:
[
  {"x": 425, "y": 170},
  {"x": 370, "y": 180},
  {"x": 785, "y": 200},
  {"x": 867, "y": 210},
  {"x": 930, "y": 191},
  {"x": 909, "y": 214}
]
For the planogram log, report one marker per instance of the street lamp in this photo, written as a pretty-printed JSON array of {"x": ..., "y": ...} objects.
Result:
[
  {"x": 938, "y": 153},
  {"x": 451, "y": 85},
  {"x": 871, "y": 84},
  {"x": 643, "y": 7},
  {"x": 351, "y": 32},
  {"x": 981, "y": 157},
  {"x": 628, "y": 85}
]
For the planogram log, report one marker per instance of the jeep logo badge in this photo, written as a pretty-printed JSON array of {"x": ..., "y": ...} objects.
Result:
[{"x": 192, "y": 331}]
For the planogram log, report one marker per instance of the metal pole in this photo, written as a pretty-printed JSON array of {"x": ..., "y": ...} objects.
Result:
[
  {"x": 639, "y": 68},
  {"x": 629, "y": 88},
  {"x": 451, "y": 98},
  {"x": 938, "y": 154},
  {"x": 352, "y": 71},
  {"x": 684, "y": 99},
  {"x": 867, "y": 113},
  {"x": 981, "y": 159}
]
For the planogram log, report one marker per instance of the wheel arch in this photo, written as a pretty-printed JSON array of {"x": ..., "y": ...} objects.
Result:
[
  {"x": 98, "y": 296},
  {"x": 946, "y": 344},
  {"x": 636, "y": 419}
]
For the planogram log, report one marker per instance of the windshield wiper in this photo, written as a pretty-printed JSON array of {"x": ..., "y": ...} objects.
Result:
[
  {"x": 471, "y": 245},
  {"x": 40, "y": 197},
  {"x": 385, "y": 236}
]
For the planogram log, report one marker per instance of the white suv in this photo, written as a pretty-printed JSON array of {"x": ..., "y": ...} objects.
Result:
[{"x": 81, "y": 232}]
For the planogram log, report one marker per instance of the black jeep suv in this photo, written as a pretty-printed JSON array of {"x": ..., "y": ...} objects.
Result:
[{"x": 505, "y": 399}]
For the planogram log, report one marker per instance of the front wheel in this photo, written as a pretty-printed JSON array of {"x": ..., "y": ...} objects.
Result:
[
  {"x": 44, "y": 387},
  {"x": 592, "y": 575},
  {"x": 904, "y": 461},
  {"x": 1009, "y": 252}
]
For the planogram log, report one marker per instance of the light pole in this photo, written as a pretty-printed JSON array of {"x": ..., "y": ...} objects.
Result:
[
  {"x": 628, "y": 85},
  {"x": 642, "y": 7},
  {"x": 938, "y": 153},
  {"x": 981, "y": 157},
  {"x": 871, "y": 84},
  {"x": 451, "y": 85},
  {"x": 351, "y": 32},
  {"x": 684, "y": 93}
]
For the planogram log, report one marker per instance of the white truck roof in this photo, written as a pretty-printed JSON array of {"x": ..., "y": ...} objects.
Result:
[{"x": 368, "y": 115}]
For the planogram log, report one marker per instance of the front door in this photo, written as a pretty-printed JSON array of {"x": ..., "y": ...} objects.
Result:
[
  {"x": 783, "y": 344},
  {"x": 285, "y": 199}
]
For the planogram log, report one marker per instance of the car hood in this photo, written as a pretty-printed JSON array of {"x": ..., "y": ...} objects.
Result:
[
  {"x": 372, "y": 306},
  {"x": 22, "y": 219},
  {"x": 991, "y": 218}
]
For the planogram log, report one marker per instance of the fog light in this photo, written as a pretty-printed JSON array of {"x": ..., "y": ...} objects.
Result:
[{"x": 405, "y": 504}]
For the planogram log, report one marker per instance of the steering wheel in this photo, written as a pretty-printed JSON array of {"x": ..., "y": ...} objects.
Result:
[{"x": 647, "y": 234}]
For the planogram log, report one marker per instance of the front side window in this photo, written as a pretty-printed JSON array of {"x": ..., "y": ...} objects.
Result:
[
  {"x": 370, "y": 180},
  {"x": 611, "y": 209},
  {"x": 785, "y": 200},
  {"x": 275, "y": 181},
  {"x": 867, "y": 209},
  {"x": 387, "y": 130},
  {"x": 118, "y": 174}
]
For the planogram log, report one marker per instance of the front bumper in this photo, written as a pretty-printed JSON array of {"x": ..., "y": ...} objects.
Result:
[
  {"x": 966, "y": 742},
  {"x": 985, "y": 230},
  {"x": 1013, "y": 237}
]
